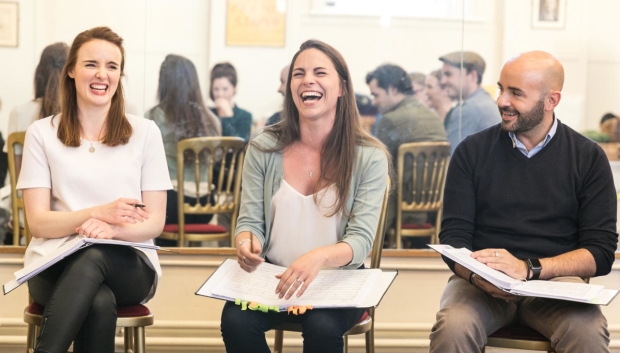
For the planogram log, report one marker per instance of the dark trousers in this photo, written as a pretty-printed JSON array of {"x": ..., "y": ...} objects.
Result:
[
  {"x": 322, "y": 329},
  {"x": 81, "y": 293}
]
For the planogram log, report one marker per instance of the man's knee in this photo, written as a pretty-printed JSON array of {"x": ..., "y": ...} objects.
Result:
[
  {"x": 457, "y": 322},
  {"x": 586, "y": 331}
]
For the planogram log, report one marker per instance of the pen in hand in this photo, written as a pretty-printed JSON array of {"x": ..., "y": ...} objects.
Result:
[{"x": 138, "y": 205}]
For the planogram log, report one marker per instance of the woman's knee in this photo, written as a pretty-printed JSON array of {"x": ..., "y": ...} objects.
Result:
[
  {"x": 104, "y": 304},
  {"x": 321, "y": 324},
  {"x": 234, "y": 321}
]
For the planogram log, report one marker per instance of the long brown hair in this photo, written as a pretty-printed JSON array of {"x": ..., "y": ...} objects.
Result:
[
  {"x": 118, "y": 129},
  {"x": 47, "y": 77},
  {"x": 338, "y": 155},
  {"x": 181, "y": 99}
]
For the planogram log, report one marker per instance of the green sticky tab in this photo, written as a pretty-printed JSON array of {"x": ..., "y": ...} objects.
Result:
[
  {"x": 274, "y": 308},
  {"x": 244, "y": 305},
  {"x": 263, "y": 308},
  {"x": 238, "y": 301}
]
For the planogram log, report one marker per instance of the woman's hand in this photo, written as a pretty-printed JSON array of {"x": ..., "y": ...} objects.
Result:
[
  {"x": 224, "y": 107},
  {"x": 94, "y": 228},
  {"x": 300, "y": 274},
  {"x": 247, "y": 258},
  {"x": 120, "y": 211}
]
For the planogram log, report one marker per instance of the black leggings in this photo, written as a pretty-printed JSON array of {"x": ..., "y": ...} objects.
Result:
[
  {"x": 322, "y": 329},
  {"x": 81, "y": 293}
]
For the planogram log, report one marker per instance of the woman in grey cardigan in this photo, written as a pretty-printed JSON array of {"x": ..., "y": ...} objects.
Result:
[{"x": 312, "y": 191}]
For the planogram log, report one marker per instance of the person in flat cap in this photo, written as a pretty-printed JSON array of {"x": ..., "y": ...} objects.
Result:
[
  {"x": 477, "y": 110},
  {"x": 404, "y": 120}
]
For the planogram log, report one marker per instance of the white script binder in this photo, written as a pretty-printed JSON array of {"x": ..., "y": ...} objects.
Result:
[
  {"x": 330, "y": 289},
  {"x": 577, "y": 292},
  {"x": 66, "y": 249}
]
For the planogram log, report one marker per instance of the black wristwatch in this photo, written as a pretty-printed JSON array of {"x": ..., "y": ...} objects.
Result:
[{"x": 535, "y": 267}]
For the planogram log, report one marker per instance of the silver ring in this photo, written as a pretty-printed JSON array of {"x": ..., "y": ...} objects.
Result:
[
  {"x": 496, "y": 254},
  {"x": 300, "y": 281}
]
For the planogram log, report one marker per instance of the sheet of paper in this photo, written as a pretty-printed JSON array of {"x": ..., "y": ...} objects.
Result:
[
  {"x": 604, "y": 297},
  {"x": 561, "y": 290},
  {"x": 331, "y": 288}
]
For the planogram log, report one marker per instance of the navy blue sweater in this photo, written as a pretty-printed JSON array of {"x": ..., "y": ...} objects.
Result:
[{"x": 561, "y": 199}]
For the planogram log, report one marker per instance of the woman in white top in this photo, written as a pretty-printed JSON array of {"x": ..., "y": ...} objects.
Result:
[
  {"x": 84, "y": 171},
  {"x": 312, "y": 191}
]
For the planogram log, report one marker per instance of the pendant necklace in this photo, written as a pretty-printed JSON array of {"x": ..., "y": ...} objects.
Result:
[
  {"x": 92, "y": 147},
  {"x": 304, "y": 157}
]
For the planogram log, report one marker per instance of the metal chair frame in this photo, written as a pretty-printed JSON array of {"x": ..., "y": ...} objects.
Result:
[
  {"x": 428, "y": 197},
  {"x": 229, "y": 184},
  {"x": 367, "y": 326}
]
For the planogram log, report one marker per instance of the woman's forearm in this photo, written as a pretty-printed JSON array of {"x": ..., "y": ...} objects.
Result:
[{"x": 56, "y": 224}]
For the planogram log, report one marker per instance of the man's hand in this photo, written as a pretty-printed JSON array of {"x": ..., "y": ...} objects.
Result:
[
  {"x": 493, "y": 291},
  {"x": 502, "y": 260}
]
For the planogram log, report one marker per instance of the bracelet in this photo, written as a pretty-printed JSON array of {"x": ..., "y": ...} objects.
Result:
[
  {"x": 471, "y": 278},
  {"x": 243, "y": 241}
]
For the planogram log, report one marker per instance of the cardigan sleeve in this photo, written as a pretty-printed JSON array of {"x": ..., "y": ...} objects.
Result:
[{"x": 366, "y": 209}]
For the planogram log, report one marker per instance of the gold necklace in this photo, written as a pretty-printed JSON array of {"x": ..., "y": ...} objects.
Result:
[
  {"x": 92, "y": 147},
  {"x": 304, "y": 157}
]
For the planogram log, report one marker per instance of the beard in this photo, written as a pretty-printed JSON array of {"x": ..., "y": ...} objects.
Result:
[{"x": 526, "y": 121}]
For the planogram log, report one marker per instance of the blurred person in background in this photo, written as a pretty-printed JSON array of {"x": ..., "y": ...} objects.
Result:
[
  {"x": 438, "y": 98},
  {"x": 418, "y": 81},
  {"x": 275, "y": 118},
  {"x": 182, "y": 114},
  {"x": 235, "y": 121}
]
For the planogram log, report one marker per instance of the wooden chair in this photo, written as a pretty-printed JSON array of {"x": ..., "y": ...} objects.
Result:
[
  {"x": 428, "y": 174},
  {"x": 367, "y": 323},
  {"x": 17, "y": 202},
  {"x": 519, "y": 337},
  {"x": 227, "y": 153}
]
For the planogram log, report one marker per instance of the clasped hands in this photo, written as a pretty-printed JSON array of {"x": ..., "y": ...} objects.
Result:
[
  {"x": 297, "y": 276},
  {"x": 501, "y": 260},
  {"x": 105, "y": 218}
]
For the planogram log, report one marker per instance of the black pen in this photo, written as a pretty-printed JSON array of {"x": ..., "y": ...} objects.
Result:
[{"x": 139, "y": 205}]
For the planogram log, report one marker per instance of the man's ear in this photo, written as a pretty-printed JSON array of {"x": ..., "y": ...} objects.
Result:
[
  {"x": 392, "y": 91},
  {"x": 553, "y": 99}
]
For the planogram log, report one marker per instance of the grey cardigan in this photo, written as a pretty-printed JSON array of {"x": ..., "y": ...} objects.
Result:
[{"x": 262, "y": 174}]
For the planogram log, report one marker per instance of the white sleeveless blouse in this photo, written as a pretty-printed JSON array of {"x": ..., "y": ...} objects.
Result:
[{"x": 298, "y": 225}]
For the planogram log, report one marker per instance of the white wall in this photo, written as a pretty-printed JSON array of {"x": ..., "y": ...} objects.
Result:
[{"x": 196, "y": 29}]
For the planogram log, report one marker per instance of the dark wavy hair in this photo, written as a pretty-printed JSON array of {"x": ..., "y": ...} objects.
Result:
[
  {"x": 181, "y": 99},
  {"x": 391, "y": 75},
  {"x": 47, "y": 77},
  {"x": 338, "y": 156},
  {"x": 118, "y": 129}
]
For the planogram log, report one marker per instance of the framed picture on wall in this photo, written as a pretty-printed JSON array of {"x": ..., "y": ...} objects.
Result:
[
  {"x": 8, "y": 24},
  {"x": 255, "y": 23},
  {"x": 548, "y": 13}
]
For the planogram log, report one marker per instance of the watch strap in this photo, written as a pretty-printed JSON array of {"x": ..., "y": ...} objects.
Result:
[{"x": 535, "y": 267}]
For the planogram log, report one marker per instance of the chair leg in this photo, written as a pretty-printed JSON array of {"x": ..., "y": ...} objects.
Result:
[
  {"x": 277, "y": 344},
  {"x": 129, "y": 340},
  {"x": 31, "y": 339},
  {"x": 346, "y": 344},
  {"x": 484, "y": 349},
  {"x": 139, "y": 339},
  {"x": 370, "y": 339}
]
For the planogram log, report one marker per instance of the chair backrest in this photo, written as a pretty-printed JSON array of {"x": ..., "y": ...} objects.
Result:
[
  {"x": 17, "y": 201},
  {"x": 427, "y": 175},
  {"x": 224, "y": 164},
  {"x": 377, "y": 246}
]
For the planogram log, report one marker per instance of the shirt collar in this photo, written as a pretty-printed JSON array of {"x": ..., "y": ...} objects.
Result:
[{"x": 518, "y": 144}]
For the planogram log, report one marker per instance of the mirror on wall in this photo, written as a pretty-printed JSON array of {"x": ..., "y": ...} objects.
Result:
[{"x": 259, "y": 38}]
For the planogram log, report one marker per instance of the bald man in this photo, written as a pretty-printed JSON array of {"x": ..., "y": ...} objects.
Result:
[
  {"x": 536, "y": 200},
  {"x": 275, "y": 118}
]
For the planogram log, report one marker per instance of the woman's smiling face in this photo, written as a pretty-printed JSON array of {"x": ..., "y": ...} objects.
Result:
[
  {"x": 96, "y": 73},
  {"x": 315, "y": 85}
]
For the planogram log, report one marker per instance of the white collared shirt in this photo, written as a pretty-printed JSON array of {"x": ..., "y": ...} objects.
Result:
[{"x": 529, "y": 154}]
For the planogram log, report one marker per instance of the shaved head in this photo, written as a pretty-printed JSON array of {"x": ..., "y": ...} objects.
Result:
[{"x": 540, "y": 66}]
